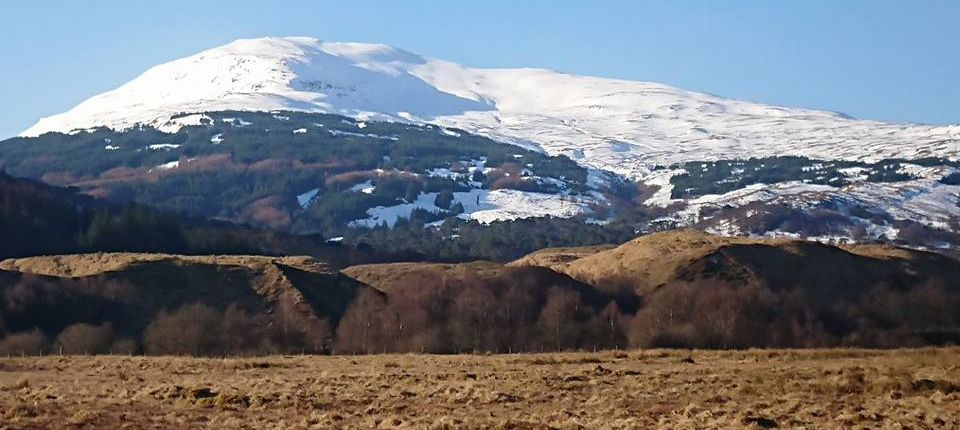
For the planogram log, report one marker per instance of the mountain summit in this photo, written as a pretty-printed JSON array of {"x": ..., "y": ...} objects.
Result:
[{"x": 617, "y": 125}]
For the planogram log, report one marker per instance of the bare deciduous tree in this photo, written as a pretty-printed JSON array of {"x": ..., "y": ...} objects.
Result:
[
  {"x": 194, "y": 329},
  {"x": 25, "y": 343},
  {"x": 86, "y": 339}
]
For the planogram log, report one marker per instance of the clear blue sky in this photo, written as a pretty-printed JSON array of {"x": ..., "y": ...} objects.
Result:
[{"x": 888, "y": 60}]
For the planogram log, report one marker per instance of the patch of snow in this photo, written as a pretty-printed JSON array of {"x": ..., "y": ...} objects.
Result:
[
  {"x": 388, "y": 216},
  {"x": 306, "y": 198},
  {"x": 170, "y": 165},
  {"x": 370, "y": 135},
  {"x": 442, "y": 172},
  {"x": 236, "y": 122},
  {"x": 300, "y": 131},
  {"x": 484, "y": 206},
  {"x": 661, "y": 179},
  {"x": 725, "y": 228},
  {"x": 175, "y": 124},
  {"x": 435, "y": 224},
  {"x": 855, "y": 173},
  {"x": 363, "y": 187},
  {"x": 217, "y": 139},
  {"x": 163, "y": 146},
  {"x": 111, "y": 148},
  {"x": 920, "y": 171}
]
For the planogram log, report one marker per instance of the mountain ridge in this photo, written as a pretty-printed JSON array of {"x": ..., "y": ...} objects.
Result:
[
  {"x": 642, "y": 155},
  {"x": 623, "y": 126}
]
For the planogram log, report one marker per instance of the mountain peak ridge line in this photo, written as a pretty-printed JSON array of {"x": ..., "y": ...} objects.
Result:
[{"x": 623, "y": 126}]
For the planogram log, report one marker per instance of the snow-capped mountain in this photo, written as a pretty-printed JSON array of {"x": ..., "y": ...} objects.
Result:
[
  {"x": 727, "y": 166},
  {"x": 617, "y": 125}
]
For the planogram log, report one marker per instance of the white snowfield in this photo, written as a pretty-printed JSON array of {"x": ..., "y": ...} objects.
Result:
[
  {"x": 486, "y": 206},
  {"x": 924, "y": 200},
  {"x": 616, "y": 125}
]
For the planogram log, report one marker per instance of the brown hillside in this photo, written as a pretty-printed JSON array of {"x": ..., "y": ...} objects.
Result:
[
  {"x": 385, "y": 277},
  {"x": 129, "y": 289},
  {"x": 650, "y": 261},
  {"x": 559, "y": 258},
  {"x": 699, "y": 290},
  {"x": 403, "y": 276}
]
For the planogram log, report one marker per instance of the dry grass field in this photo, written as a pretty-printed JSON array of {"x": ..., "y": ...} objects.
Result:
[{"x": 820, "y": 389}]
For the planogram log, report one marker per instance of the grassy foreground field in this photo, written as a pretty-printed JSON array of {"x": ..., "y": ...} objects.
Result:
[{"x": 637, "y": 389}]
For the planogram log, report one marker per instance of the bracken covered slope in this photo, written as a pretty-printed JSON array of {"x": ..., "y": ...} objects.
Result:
[
  {"x": 127, "y": 289},
  {"x": 652, "y": 261}
]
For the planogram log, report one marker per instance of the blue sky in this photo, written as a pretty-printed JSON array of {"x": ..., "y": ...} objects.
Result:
[{"x": 887, "y": 60}]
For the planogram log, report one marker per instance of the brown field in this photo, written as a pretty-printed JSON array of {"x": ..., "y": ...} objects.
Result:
[{"x": 637, "y": 389}]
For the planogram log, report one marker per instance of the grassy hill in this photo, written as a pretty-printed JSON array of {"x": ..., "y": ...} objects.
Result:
[
  {"x": 703, "y": 290},
  {"x": 675, "y": 289},
  {"x": 265, "y": 303}
]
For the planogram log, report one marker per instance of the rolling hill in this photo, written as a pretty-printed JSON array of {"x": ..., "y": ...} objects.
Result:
[
  {"x": 283, "y": 303},
  {"x": 747, "y": 291}
]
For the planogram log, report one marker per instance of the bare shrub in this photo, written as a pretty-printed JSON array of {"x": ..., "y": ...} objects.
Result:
[
  {"x": 318, "y": 337},
  {"x": 124, "y": 347},
  {"x": 361, "y": 329},
  {"x": 242, "y": 332},
  {"x": 559, "y": 319},
  {"x": 194, "y": 329},
  {"x": 85, "y": 339},
  {"x": 472, "y": 319},
  {"x": 24, "y": 343}
]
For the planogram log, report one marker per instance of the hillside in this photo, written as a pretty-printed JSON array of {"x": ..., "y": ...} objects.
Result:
[
  {"x": 400, "y": 278},
  {"x": 286, "y": 303},
  {"x": 39, "y": 219},
  {"x": 343, "y": 139},
  {"x": 558, "y": 258},
  {"x": 313, "y": 173},
  {"x": 700, "y": 289},
  {"x": 651, "y": 261},
  {"x": 674, "y": 289}
]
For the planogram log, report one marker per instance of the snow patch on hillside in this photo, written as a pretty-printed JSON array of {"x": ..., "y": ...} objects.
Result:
[
  {"x": 305, "y": 199},
  {"x": 484, "y": 206}
]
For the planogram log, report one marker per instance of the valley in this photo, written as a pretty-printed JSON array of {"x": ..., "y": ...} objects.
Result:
[{"x": 578, "y": 215}]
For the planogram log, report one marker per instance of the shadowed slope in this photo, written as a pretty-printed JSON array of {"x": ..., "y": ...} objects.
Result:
[{"x": 128, "y": 289}]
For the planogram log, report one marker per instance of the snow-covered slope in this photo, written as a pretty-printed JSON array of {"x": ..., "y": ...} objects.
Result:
[{"x": 617, "y": 125}]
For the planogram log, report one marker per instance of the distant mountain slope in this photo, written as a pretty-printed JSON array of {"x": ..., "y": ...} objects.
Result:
[
  {"x": 244, "y": 132},
  {"x": 616, "y": 125},
  {"x": 316, "y": 173},
  {"x": 38, "y": 219}
]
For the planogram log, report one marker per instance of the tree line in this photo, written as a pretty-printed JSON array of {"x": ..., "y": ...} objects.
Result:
[{"x": 514, "y": 310}]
